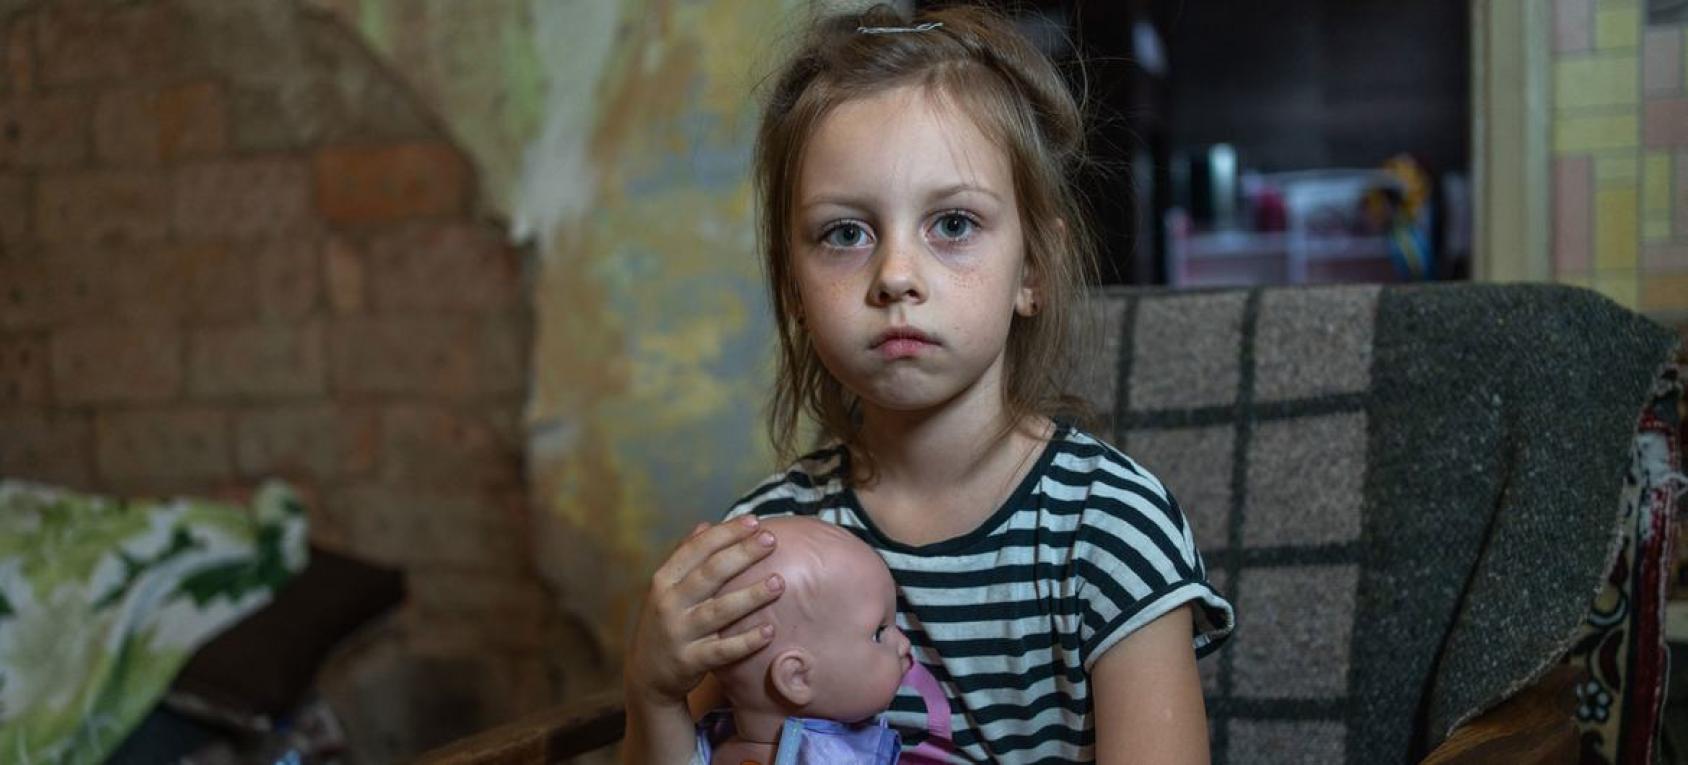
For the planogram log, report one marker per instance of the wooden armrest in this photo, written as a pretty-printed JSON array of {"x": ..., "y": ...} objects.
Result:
[
  {"x": 542, "y": 738},
  {"x": 1532, "y": 728},
  {"x": 1535, "y": 727}
]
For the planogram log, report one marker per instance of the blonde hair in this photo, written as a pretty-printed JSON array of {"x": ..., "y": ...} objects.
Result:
[{"x": 1016, "y": 97}]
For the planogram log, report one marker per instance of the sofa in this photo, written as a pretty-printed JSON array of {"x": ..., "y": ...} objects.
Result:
[{"x": 1443, "y": 513}]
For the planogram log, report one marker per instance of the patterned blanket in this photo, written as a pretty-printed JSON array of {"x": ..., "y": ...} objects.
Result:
[
  {"x": 1412, "y": 494},
  {"x": 102, "y": 602},
  {"x": 1621, "y": 643}
]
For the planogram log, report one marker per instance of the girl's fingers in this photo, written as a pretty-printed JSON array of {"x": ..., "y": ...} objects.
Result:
[
  {"x": 721, "y": 611},
  {"x": 698, "y": 547},
  {"x": 705, "y": 579},
  {"x": 721, "y": 651}
]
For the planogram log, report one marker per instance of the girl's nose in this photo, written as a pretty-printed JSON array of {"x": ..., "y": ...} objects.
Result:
[{"x": 898, "y": 277}]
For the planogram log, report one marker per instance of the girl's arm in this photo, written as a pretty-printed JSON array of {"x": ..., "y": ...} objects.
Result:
[
  {"x": 1147, "y": 697},
  {"x": 677, "y": 638}
]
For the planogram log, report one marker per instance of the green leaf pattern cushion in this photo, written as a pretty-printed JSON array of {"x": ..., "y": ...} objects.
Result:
[{"x": 103, "y": 601}]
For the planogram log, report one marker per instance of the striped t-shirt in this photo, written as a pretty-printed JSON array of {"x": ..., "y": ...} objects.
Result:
[{"x": 1011, "y": 617}]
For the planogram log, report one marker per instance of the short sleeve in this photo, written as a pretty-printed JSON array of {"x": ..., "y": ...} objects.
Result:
[{"x": 1136, "y": 559}]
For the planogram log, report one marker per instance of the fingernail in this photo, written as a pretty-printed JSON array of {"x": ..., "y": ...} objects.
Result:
[
  {"x": 766, "y": 539},
  {"x": 749, "y": 521},
  {"x": 767, "y": 630},
  {"x": 775, "y": 583}
]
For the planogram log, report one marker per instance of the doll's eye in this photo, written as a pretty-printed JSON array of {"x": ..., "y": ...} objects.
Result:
[{"x": 879, "y": 634}]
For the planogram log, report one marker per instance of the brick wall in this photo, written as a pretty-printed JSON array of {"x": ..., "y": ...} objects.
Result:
[{"x": 233, "y": 247}]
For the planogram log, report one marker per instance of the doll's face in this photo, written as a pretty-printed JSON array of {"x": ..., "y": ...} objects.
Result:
[
  {"x": 837, "y": 653},
  {"x": 860, "y": 654}
]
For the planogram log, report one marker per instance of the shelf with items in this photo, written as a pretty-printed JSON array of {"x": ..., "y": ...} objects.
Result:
[
  {"x": 1233, "y": 258},
  {"x": 1318, "y": 226}
]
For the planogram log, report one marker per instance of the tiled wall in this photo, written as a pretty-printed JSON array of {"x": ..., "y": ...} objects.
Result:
[{"x": 1620, "y": 153}]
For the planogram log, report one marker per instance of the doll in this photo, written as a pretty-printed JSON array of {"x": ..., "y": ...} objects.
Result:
[{"x": 836, "y": 659}]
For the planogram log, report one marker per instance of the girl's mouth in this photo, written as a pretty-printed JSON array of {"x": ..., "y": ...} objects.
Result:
[{"x": 903, "y": 342}]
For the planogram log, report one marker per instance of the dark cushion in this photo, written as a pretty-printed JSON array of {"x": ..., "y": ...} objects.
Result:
[{"x": 264, "y": 664}]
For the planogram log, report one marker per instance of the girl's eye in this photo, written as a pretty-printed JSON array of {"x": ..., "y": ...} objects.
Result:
[
  {"x": 955, "y": 226},
  {"x": 879, "y": 634},
  {"x": 845, "y": 235}
]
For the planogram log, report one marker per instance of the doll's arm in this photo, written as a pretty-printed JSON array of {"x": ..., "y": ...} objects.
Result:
[{"x": 1147, "y": 697}]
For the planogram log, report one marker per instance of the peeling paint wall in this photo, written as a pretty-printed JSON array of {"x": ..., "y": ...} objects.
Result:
[
  {"x": 653, "y": 352},
  {"x": 479, "y": 64},
  {"x": 618, "y": 136}
]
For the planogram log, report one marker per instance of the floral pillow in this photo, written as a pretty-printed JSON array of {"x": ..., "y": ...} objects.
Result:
[{"x": 102, "y": 601}]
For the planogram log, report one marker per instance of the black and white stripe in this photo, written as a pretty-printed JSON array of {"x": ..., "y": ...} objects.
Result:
[{"x": 1011, "y": 617}]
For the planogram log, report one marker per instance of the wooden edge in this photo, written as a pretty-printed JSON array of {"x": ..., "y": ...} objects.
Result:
[
  {"x": 1511, "y": 120},
  {"x": 542, "y": 738},
  {"x": 1534, "y": 727}
]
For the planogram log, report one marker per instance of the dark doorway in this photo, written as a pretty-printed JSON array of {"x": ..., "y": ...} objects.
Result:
[{"x": 1290, "y": 91}]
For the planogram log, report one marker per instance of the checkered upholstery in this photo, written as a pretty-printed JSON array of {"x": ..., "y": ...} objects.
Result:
[
  {"x": 1256, "y": 408},
  {"x": 1275, "y": 527}
]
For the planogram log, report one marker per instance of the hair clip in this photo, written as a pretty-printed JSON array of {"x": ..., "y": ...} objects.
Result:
[{"x": 926, "y": 27}]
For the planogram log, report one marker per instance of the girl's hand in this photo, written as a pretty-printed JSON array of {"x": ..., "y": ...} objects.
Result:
[{"x": 677, "y": 639}]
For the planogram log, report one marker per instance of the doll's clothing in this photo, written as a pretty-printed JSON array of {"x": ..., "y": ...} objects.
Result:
[{"x": 807, "y": 741}]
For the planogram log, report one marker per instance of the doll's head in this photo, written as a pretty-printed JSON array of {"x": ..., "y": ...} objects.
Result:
[
  {"x": 837, "y": 653},
  {"x": 974, "y": 64}
]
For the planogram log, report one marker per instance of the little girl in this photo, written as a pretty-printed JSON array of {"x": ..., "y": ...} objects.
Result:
[{"x": 926, "y": 259}]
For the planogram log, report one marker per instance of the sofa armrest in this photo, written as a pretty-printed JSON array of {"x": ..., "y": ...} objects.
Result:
[
  {"x": 542, "y": 738},
  {"x": 1535, "y": 727}
]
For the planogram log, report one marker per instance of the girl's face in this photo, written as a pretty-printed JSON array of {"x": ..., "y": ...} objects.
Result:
[{"x": 908, "y": 253}]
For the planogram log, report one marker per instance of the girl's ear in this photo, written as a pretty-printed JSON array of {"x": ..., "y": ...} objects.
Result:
[
  {"x": 790, "y": 674},
  {"x": 1025, "y": 301}
]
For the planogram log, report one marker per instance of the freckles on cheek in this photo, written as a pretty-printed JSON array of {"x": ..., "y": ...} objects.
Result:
[
  {"x": 966, "y": 279},
  {"x": 828, "y": 287},
  {"x": 981, "y": 282}
]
